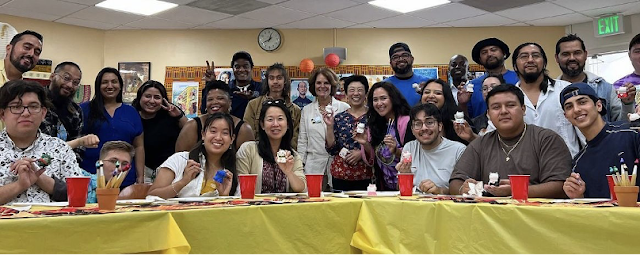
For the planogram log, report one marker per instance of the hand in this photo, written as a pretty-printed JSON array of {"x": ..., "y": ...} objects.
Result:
[
  {"x": 465, "y": 185},
  {"x": 504, "y": 190},
  {"x": 287, "y": 168},
  {"x": 464, "y": 131},
  {"x": 631, "y": 94},
  {"x": 360, "y": 138},
  {"x": 428, "y": 186},
  {"x": 209, "y": 74},
  {"x": 172, "y": 109},
  {"x": 463, "y": 94},
  {"x": 90, "y": 141},
  {"x": 26, "y": 171},
  {"x": 390, "y": 142},
  {"x": 403, "y": 167},
  {"x": 353, "y": 157},
  {"x": 248, "y": 95},
  {"x": 140, "y": 180},
  {"x": 328, "y": 118},
  {"x": 574, "y": 186},
  {"x": 191, "y": 170}
]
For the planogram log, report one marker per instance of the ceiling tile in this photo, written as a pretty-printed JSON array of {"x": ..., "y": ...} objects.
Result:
[
  {"x": 590, "y": 4},
  {"x": 518, "y": 24},
  {"x": 84, "y": 2},
  {"x": 86, "y": 23},
  {"x": 158, "y": 23},
  {"x": 28, "y": 14},
  {"x": 232, "y": 7},
  {"x": 105, "y": 15},
  {"x": 126, "y": 28},
  {"x": 192, "y": 15},
  {"x": 402, "y": 21},
  {"x": 236, "y": 22},
  {"x": 362, "y": 13},
  {"x": 448, "y": 12},
  {"x": 485, "y": 20},
  {"x": 319, "y": 7},
  {"x": 534, "y": 11},
  {"x": 3, "y": 1},
  {"x": 498, "y": 5},
  {"x": 630, "y": 8},
  {"x": 179, "y": 1},
  {"x": 318, "y": 22},
  {"x": 272, "y": 1},
  {"x": 51, "y": 7},
  {"x": 562, "y": 20},
  {"x": 360, "y": 26},
  {"x": 440, "y": 25},
  {"x": 276, "y": 15}
]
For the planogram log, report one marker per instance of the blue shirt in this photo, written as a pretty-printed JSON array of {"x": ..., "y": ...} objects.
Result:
[
  {"x": 125, "y": 125},
  {"x": 477, "y": 105},
  {"x": 594, "y": 161},
  {"x": 405, "y": 86}
]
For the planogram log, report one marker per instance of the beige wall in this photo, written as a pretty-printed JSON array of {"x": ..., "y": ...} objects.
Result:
[
  {"x": 597, "y": 45},
  {"x": 93, "y": 49}
]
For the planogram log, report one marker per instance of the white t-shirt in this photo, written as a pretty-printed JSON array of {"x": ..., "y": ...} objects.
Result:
[
  {"x": 176, "y": 163},
  {"x": 435, "y": 164}
]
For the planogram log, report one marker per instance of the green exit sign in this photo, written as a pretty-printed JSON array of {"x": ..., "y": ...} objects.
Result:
[{"x": 608, "y": 25}]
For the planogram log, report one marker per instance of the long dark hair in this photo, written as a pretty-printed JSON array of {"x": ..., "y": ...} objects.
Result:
[
  {"x": 147, "y": 85},
  {"x": 228, "y": 158},
  {"x": 264, "y": 145},
  {"x": 96, "y": 105},
  {"x": 377, "y": 123},
  {"x": 449, "y": 108},
  {"x": 286, "y": 90},
  {"x": 546, "y": 78}
]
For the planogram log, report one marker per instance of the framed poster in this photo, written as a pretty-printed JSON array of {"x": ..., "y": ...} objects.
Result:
[
  {"x": 133, "y": 75},
  {"x": 224, "y": 74},
  {"x": 300, "y": 94},
  {"x": 429, "y": 72},
  {"x": 185, "y": 96}
]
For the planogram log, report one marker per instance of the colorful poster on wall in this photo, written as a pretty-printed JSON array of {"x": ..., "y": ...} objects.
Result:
[
  {"x": 133, "y": 75},
  {"x": 429, "y": 72},
  {"x": 224, "y": 74},
  {"x": 300, "y": 94},
  {"x": 83, "y": 94},
  {"x": 372, "y": 79},
  {"x": 185, "y": 96}
]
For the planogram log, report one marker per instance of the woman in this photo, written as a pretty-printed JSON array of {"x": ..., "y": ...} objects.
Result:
[
  {"x": 388, "y": 131},
  {"x": 259, "y": 157},
  {"x": 438, "y": 92},
  {"x": 348, "y": 172},
  {"x": 481, "y": 122},
  {"x": 218, "y": 100},
  {"x": 278, "y": 87},
  {"x": 194, "y": 173},
  {"x": 161, "y": 122},
  {"x": 311, "y": 141},
  {"x": 111, "y": 120}
]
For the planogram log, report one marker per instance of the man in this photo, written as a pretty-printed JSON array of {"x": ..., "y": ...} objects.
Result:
[
  {"x": 542, "y": 94},
  {"x": 490, "y": 53},
  {"x": 606, "y": 142},
  {"x": 457, "y": 76},
  {"x": 571, "y": 55},
  {"x": 64, "y": 119},
  {"x": 23, "y": 106},
  {"x": 302, "y": 99},
  {"x": 433, "y": 156},
  {"x": 403, "y": 78},
  {"x": 111, "y": 152},
  {"x": 514, "y": 148},
  {"x": 23, "y": 53},
  {"x": 634, "y": 56}
]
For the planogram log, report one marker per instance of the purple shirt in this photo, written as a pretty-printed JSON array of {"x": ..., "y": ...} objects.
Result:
[{"x": 631, "y": 78}]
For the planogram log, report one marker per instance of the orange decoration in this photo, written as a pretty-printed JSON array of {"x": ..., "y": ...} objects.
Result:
[
  {"x": 332, "y": 60},
  {"x": 306, "y": 65}
]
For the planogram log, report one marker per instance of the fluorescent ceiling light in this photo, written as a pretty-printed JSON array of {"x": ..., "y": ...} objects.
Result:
[
  {"x": 405, "y": 6},
  {"x": 140, "y": 7}
]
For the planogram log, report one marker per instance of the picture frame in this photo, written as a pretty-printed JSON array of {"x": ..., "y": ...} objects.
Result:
[{"x": 134, "y": 74}]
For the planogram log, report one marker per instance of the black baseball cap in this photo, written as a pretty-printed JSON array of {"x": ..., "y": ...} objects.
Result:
[
  {"x": 402, "y": 45},
  {"x": 581, "y": 88},
  {"x": 475, "y": 53},
  {"x": 242, "y": 55}
]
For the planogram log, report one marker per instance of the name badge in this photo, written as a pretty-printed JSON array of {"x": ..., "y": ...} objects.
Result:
[{"x": 316, "y": 120}]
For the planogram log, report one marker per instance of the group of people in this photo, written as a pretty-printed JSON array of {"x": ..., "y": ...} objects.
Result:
[{"x": 565, "y": 133}]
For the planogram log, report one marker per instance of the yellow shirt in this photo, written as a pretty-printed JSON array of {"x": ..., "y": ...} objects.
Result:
[{"x": 3, "y": 80}]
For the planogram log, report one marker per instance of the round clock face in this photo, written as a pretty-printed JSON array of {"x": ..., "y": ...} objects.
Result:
[{"x": 269, "y": 39}]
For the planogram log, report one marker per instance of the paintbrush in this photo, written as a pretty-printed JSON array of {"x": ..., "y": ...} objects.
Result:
[{"x": 634, "y": 174}]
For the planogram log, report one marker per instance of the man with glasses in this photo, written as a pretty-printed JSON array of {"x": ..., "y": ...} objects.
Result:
[
  {"x": 23, "y": 106},
  {"x": 403, "y": 77},
  {"x": 113, "y": 153},
  {"x": 64, "y": 119},
  {"x": 433, "y": 156}
]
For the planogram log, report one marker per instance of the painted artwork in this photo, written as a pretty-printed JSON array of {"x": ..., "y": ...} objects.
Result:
[
  {"x": 372, "y": 79},
  {"x": 185, "y": 96},
  {"x": 429, "y": 72},
  {"x": 224, "y": 74},
  {"x": 133, "y": 75},
  {"x": 300, "y": 86},
  {"x": 83, "y": 94}
]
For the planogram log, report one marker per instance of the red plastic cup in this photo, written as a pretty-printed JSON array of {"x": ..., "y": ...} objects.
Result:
[
  {"x": 247, "y": 185},
  {"x": 519, "y": 186},
  {"x": 611, "y": 184},
  {"x": 77, "y": 188},
  {"x": 405, "y": 181},
  {"x": 314, "y": 184}
]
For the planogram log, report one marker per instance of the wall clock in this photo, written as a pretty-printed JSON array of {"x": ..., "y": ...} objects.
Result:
[{"x": 269, "y": 39}]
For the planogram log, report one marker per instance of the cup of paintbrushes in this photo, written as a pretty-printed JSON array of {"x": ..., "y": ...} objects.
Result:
[{"x": 107, "y": 198}]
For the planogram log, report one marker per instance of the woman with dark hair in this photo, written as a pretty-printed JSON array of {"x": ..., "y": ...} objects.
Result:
[
  {"x": 323, "y": 83},
  {"x": 481, "y": 122},
  {"x": 278, "y": 86},
  {"x": 218, "y": 99},
  {"x": 348, "y": 171},
  {"x": 111, "y": 120},
  {"x": 207, "y": 170},
  {"x": 161, "y": 122},
  {"x": 388, "y": 131},
  {"x": 259, "y": 157},
  {"x": 438, "y": 92}
]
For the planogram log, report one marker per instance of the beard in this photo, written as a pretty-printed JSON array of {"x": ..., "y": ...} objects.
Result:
[
  {"x": 493, "y": 64},
  {"x": 572, "y": 72},
  {"x": 57, "y": 98},
  {"x": 531, "y": 77},
  {"x": 404, "y": 70},
  {"x": 16, "y": 62}
]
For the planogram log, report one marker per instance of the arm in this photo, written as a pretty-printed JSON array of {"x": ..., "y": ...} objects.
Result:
[
  {"x": 552, "y": 189},
  {"x": 89, "y": 141},
  {"x": 296, "y": 126},
  {"x": 138, "y": 144},
  {"x": 250, "y": 116},
  {"x": 467, "y": 169},
  {"x": 183, "y": 121},
  {"x": 187, "y": 137},
  {"x": 162, "y": 186},
  {"x": 46, "y": 183},
  {"x": 12, "y": 190},
  {"x": 330, "y": 137},
  {"x": 302, "y": 138},
  {"x": 295, "y": 173},
  {"x": 244, "y": 135}
]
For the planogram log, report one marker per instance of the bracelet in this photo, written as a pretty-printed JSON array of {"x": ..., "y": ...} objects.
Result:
[
  {"x": 460, "y": 190},
  {"x": 174, "y": 189}
]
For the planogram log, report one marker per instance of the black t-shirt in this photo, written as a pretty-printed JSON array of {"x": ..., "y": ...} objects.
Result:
[{"x": 160, "y": 136}]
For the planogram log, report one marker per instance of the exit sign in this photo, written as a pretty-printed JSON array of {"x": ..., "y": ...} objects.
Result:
[{"x": 608, "y": 25}]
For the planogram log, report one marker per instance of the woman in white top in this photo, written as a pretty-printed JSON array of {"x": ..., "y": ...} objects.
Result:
[
  {"x": 311, "y": 139},
  {"x": 195, "y": 173}
]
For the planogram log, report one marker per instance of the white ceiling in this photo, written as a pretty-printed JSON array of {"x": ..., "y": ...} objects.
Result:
[{"x": 316, "y": 14}]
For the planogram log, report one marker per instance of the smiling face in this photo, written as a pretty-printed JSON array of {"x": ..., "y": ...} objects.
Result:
[
  {"x": 217, "y": 101},
  {"x": 433, "y": 94},
  {"x": 66, "y": 81},
  {"x": 426, "y": 129},
  {"x": 571, "y": 58},
  {"x": 401, "y": 61},
  {"x": 581, "y": 111},
  {"x": 217, "y": 137},
  {"x": 110, "y": 86},
  {"x": 356, "y": 95},
  {"x": 458, "y": 67},
  {"x": 382, "y": 103},
  {"x": 634, "y": 56},
  {"x": 491, "y": 57},
  {"x": 151, "y": 100},
  {"x": 242, "y": 70},
  {"x": 322, "y": 86},
  {"x": 505, "y": 112},
  {"x": 274, "y": 123},
  {"x": 25, "y": 54},
  {"x": 21, "y": 121}
]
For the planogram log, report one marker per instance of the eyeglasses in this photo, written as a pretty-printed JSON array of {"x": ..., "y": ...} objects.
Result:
[
  {"x": 429, "y": 123},
  {"x": 68, "y": 79},
  {"x": 526, "y": 56},
  {"x": 403, "y": 56},
  {"x": 19, "y": 109}
]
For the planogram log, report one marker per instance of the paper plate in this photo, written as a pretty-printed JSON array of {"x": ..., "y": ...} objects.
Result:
[
  {"x": 54, "y": 204},
  {"x": 192, "y": 199},
  {"x": 134, "y": 202}
]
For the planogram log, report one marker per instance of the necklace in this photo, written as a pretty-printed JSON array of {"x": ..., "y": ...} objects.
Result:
[{"x": 514, "y": 146}]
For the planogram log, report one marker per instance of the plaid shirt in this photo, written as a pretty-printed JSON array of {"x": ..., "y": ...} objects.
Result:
[{"x": 68, "y": 129}]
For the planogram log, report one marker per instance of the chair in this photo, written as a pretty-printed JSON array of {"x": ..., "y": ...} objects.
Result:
[{"x": 135, "y": 191}]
